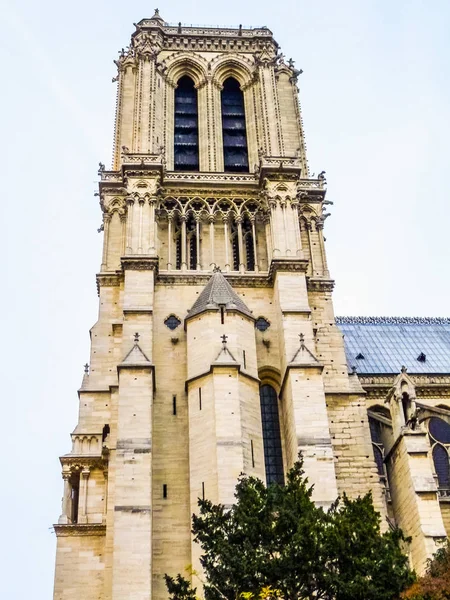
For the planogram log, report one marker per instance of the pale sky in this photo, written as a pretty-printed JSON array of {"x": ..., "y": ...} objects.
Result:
[{"x": 375, "y": 97}]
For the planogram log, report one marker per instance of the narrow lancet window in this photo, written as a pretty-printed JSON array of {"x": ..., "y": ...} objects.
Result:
[
  {"x": 186, "y": 126},
  {"x": 273, "y": 454},
  {"x": 235, "y": 155},
  {"x": 247, "y": 232}
]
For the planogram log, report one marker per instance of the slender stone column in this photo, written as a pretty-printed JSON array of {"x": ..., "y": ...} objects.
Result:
[
  {"x": 274, "y": 228},
  {"x": 105, "y": 496},
  {"x": 326, "y": 272},
  {"x": 241, "y": 245},
  {"x": 255, "y": 252},
  {"x": 211, "y": 241},
  {"x": 298, "y": 241},
  {"x": 183, "y": 243},
  {"x": 123, "y": 222},
  {"x": 106, "y": 222},
  {"x": 152, "y": 230},
  {"x": 268, "y": 227},
  {"x": 169, "y": 243},
  {"x": 129, "y": 247},
  {"x": 82, "y": 502},
  {"x": 308, "y": 226},
  {"x": 141, "y": 220},
  {"x": 287, "y": 250},
  {"x": 66, "y": 500},
  {"x": 227, "y": 251},
  {"x": 197, "y": 242}
]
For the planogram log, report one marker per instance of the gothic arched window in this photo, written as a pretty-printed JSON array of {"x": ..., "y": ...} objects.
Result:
[
  {"x": 377, "y": 446},
  {"x": 439, "y": 432},
  {"x": 186, "y": 126},
  {"x": 273, "y": 455},
  {"x": 235, "y": 155}
]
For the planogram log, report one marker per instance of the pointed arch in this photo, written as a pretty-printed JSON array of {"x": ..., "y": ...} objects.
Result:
[{"x": 186, "y": 64}]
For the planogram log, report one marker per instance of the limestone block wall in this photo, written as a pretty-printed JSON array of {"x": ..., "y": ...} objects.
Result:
[
  {"x": 204, "y": 333},
  {"x": 414, "y": 497},
  {"x": 170, "y": 443},
  {"x": 80, "y": 568},
  {"x": 356, "y": 471}
]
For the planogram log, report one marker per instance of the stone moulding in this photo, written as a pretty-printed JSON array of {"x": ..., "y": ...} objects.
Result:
[
  {"x": 291, "y": 265},
  {"x": 319, "y": 285},
  {"x": 140, "y": 263},
  {"x": 260, "y": 280},
  {"x": 77, "y": 529},
  {"x": 82, "y": 461}
]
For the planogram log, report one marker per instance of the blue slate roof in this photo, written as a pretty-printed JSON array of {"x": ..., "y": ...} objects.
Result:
[{"x": 384, "y": 344}]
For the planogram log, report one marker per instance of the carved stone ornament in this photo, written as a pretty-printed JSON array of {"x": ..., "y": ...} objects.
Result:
[
  {"x": 78, "y": 529},
  {"x": 319, "y": 285},
  {"x": 140, "y": 263}
]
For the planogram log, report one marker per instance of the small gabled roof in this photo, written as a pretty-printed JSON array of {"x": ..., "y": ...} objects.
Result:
[
  {"x": 135, "y": 357},
  {"x": 218, "y": 292}
]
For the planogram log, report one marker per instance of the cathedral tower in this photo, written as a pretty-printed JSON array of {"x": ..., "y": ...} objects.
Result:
[{"x": 216, "y": 350}]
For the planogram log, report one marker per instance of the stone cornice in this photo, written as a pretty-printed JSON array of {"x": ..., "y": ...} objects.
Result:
[
  {"x": 246, "y": 280},
  {"x": 81, "y": 461},
  {"x": 291, "y": 265},
  {"x": 427, "y": 386},
  {"x": 140, "y": 263},
  {"x": 77, "y": 529},
  {"x": 315, "y": 284},
  {"x": 108, "y": 280}
]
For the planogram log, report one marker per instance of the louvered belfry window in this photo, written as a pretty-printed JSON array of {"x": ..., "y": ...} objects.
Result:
[
  {"x": 186, "y": 126},
  {"x": 235, "y": 153}
]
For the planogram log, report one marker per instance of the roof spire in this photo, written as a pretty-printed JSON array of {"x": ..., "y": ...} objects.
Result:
[{"x": 157, "y": 17}]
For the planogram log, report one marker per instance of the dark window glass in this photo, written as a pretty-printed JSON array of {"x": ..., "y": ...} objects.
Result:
[
  {"x": 378, "y": 454},
  {"x": 441, "y": 465},
  {"x": 186, "y": 126},
  {"x": 273, "y": 455},
  {"x": 262, "y": 324},
  {"x": 375, "y": 431},
  {"x": 172, "y": 322},
  {"x": 235, "y": 153},
  {"x": 235, "y": 246},
  {"x": 440, "y": 430},
  {"x": 247, "y": 232}
]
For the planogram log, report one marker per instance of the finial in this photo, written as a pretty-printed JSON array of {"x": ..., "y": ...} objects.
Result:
[
  {"x": 216, "y": 269},
  {"x": 354, "y": 369},
  {"x": 404, "y": 369},
  {"x": 86, "y": 368},
  {"x": 136, "y": 338},
  {"x": 224, "y": 339},
  {"x": 156, "y": 12},
  {"x": 302, "y": 339}
]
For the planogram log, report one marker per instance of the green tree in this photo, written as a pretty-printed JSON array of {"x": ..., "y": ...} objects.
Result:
[
  {"x": 276, "y": 538},
  {"x": 435, "y": 584}
]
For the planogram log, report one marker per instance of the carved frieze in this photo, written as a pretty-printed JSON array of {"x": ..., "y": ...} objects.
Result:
[{"x": 78, "y": 529}]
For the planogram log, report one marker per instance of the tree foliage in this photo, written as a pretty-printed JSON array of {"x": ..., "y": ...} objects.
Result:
[
  {"x": 276, "y": 538},
  {"x": 435, "y": 584}
]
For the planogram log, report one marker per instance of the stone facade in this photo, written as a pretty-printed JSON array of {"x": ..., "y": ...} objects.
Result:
[{"x": 213, "y": 283}]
